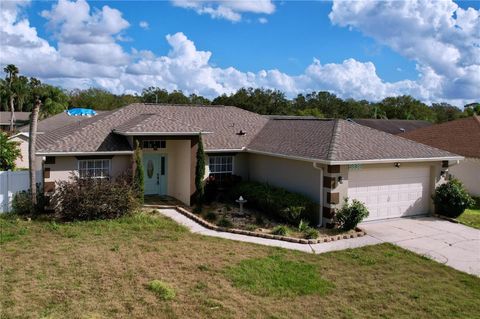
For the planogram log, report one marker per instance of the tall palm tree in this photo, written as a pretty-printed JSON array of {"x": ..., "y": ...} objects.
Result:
[
  {"x": 21, "y": 90},
  {"x": 12, "y": 72},
  {"x": 32, "y": 145}
]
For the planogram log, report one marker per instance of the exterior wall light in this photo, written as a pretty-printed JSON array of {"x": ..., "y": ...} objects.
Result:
[
  {"x": 397, "y": 164},
  {"x": 340, "y": 179},
  {"x": 443, "y": 173}
]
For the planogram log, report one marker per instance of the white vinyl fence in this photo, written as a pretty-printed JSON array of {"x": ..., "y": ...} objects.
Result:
[{"x": 12, "y": 183}]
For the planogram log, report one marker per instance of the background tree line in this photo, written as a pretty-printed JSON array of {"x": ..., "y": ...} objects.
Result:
[{"x": 18, "y": 90}]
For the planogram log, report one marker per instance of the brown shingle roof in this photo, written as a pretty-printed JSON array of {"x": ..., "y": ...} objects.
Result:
[
  {"x": 56, "y": 121},
  {"x": 460, "y": 136},
  {"x": 337, "y": 140},
  {"x": 156, "y": 123},
  {"x": 323, "y": 140},
  {"x": 96, "y": 133},
  {"x": 19, "y": 117},
  {"x": 393, "y": 126}
]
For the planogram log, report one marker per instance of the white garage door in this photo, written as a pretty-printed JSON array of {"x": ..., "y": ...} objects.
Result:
[{"x": 391, "y": 192}]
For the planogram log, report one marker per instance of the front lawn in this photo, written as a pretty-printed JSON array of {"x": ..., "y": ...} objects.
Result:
[
  {"x": 471, "y": 217},
  {"x": 147, "y": 266}
]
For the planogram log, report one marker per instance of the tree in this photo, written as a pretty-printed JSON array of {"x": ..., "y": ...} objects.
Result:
[
  {"x": 12, "y": 72},
  {"x": 200, "y": 172},
  {"x": 471, "y": 109},
  {"x": 445, "y": 112},
  {"x": 138, "y": 178},
  {"x": 32, "y": 149},
  {"x": 9, "y": 152}
]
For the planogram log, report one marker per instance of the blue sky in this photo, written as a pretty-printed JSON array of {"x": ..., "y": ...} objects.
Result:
[{"x": 281, "y": 39}]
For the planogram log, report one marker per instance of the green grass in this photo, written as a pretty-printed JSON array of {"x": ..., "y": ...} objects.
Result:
[
  {"x": 275, "y": 276},
  {"x": 101, "y": 269},
  {"x": 471, "y": 217},
  {"x": 161, "y": 289}
]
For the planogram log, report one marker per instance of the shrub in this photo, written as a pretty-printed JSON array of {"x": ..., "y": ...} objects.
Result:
[
  {"x": 451, "y": 199},
  {"x": 22, "y": 203},
  {"x": 280, "y": 230},
  {"x": 211, "y": 216},
  {"x": 303, "y": 225},
  {"x": 277, "y": 202},
  {"x": 251, "y": 227},
  {"x": 310, "y": 233},
  {"x": 224, "y": 222},
  {"x": 161, "y": 289},
  {"x": 351, "y": 214},
  {"x": 89, "y": 199}
]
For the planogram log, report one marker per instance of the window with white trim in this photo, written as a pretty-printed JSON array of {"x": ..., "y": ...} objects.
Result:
[
  {"x": 94, "y": 168},
  {"x": 220, "y": 165}
]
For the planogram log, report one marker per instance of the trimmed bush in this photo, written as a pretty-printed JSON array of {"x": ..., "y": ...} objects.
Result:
[
  {"x": 161, "y": 289},
  {"x": 351, "y": 214},
  {"x": 22, "y": 204},
  {"x": 276, "y": 202},
  {"x": 210, "y": 216},
  {"x": 280, "y": 230},
  {"x": 451, "y": 199},
  {"x": 89, "y": 199}
]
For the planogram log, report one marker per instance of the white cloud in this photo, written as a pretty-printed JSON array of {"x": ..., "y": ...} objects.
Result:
[
  {"x": 144, "y": 25},
  {"x": 439, "y": 35},
  {"x": 227, "y": 9},
  {"x": 262, "y": 20},
  {"x": 88, "y": 54}
]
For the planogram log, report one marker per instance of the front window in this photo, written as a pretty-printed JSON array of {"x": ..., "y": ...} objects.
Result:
[
  {"x": 94, "y": 168},
  {"x": 220, "y": 166}
]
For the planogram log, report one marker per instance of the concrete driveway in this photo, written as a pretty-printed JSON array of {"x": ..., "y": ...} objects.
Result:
[{"x": 455, "y": 245}]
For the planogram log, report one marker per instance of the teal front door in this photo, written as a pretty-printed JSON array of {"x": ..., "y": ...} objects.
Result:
[{"x": 155, "y": 174}]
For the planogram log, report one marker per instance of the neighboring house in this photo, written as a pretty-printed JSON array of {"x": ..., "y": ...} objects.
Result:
[
  {"x": 46, "y": 125},
  {"x": 461, "y": 137},
  {"x": 327, "y": 160},
  {"x": 20, "y": 118},
  {"x": 392, "y": 126}
]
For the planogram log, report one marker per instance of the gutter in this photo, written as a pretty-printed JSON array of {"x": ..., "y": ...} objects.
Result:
[
  {"x": 83, "y": 153},
  {"x": 370, "y": 161}
]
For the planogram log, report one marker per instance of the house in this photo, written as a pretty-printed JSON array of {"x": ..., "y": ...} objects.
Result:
[
  {"x": 46, "y": 125},
  {"x": 20, "y": 118},
  {"x": 326, "y": 160},
  {"x": 392, "y": 126},
  {"x": 461, "y": 137}
]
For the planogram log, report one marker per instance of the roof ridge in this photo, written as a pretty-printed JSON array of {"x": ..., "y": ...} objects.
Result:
[{"x": 335, "y": 134}]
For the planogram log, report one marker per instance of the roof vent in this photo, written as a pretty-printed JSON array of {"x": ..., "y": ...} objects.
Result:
[
  {"x": 402, "y": 130},
  {"x": 241, "y": 133}
]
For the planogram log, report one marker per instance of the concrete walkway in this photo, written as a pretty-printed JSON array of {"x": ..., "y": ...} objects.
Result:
[
  {"x": 455, "y": 245},
  {"x": 314, "y": 248}
]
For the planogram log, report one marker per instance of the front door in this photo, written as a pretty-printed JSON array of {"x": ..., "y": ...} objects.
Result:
[{"x": 155, "y": 174}]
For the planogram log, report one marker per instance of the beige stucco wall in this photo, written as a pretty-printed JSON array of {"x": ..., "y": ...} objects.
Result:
[
  {"x": 468, "y": 171},
  {"x": 66, "y": 165},
  {"x": 23, "y": 145},
  {"x": 293, "y": 175}
]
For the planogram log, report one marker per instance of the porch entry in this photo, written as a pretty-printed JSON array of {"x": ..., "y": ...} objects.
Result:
[{"x": 155, "y": 174}]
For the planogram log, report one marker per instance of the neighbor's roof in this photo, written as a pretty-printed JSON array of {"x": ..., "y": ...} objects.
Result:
[
  {"x": 19, "y": 116},
  {"x": 311, "y": 139},
  {"x": 460, "y": 136},
  {"x": 392, "y": 126},
  {"x": 337, "y": 141},
  {"x": 99, "y": 132},
  {"x": 56, "y": 121}
]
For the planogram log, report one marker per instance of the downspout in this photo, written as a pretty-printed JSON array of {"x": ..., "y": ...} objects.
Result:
[{"x": 321, "y": 193}]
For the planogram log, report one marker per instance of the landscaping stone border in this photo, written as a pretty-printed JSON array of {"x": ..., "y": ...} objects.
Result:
[{"x": 358, "y": 232}]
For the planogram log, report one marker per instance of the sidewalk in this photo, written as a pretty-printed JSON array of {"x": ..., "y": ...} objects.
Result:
[{"x": 309, "y": 248}]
